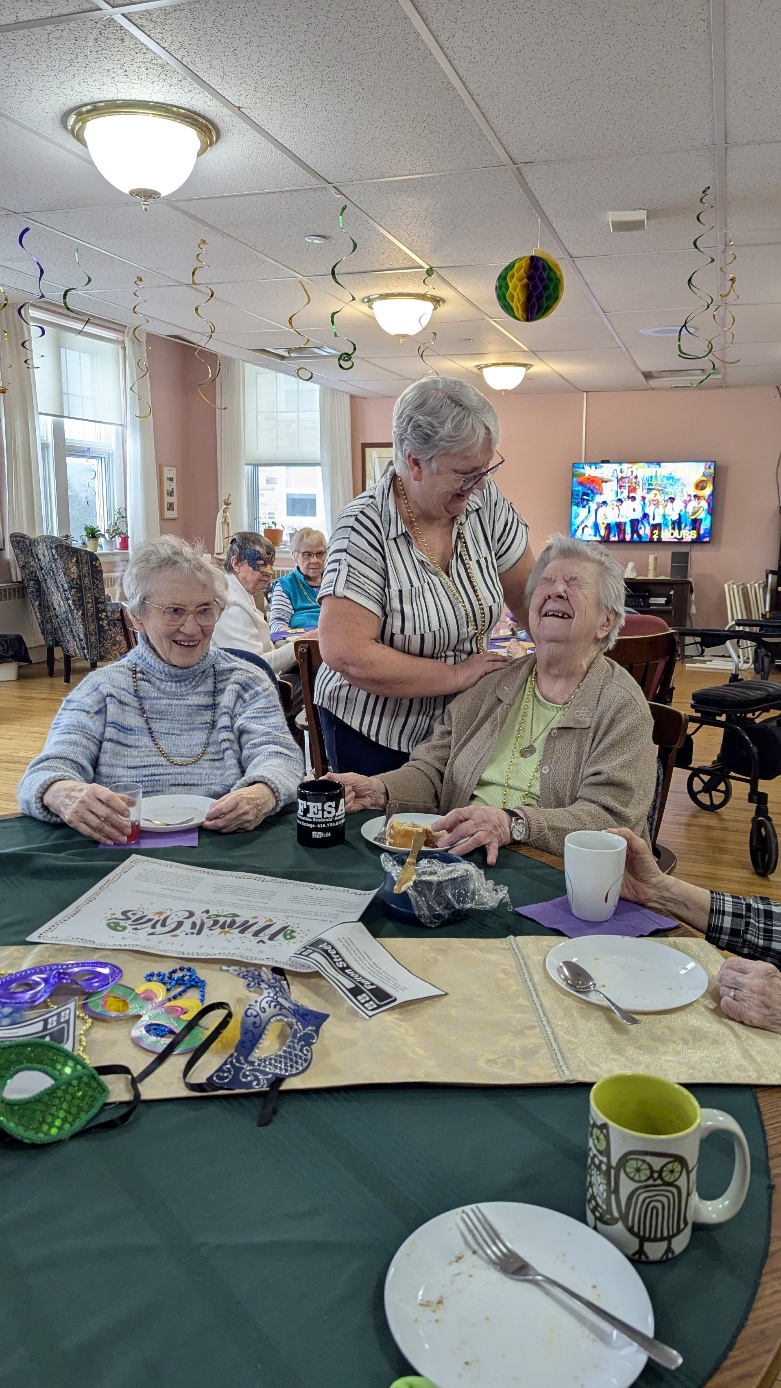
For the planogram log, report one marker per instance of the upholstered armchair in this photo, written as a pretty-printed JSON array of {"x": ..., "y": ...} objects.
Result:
[
  {"x": 91, "y": 627},
  {"x": 26, "y": 557}
]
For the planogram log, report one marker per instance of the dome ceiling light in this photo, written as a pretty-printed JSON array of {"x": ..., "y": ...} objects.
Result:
[
  {"x": 144, "y": 148},
  {"x": 505, "y": 375},
  {"x": 403, "y": 315}
]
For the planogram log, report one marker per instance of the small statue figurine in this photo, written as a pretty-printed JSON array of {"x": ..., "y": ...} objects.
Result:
[{"x": 222, "y": 532}]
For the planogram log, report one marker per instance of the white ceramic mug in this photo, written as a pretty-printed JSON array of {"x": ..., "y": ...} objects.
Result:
[
  {"x": 594, "y": 868},
  {"x": 643, "y": 1149}
]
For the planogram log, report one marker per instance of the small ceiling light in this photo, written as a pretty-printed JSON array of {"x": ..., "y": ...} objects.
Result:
[
  {"x": 505, "y": 375},
  {"x": 403, "y": 315},
  {"x": 144, "y": 148},
  {"x": 316, "y": 239}
]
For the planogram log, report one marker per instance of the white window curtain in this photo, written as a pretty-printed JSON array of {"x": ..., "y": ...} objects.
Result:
[
  {"x": 22, "y": 462},
  {"x": 231, "y": 452},
  {"x": 143, "y": 513},
  {"x": 335, "y": 452}
]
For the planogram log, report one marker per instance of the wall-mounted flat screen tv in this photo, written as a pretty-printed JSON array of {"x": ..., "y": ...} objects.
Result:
[{"x": 671, "y": 503}]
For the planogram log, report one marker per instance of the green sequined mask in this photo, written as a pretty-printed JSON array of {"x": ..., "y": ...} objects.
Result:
[{"x": 63, "y": 1107}]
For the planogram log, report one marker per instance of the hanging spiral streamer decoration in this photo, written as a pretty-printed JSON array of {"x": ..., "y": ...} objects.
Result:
[
  {"x": 302, "y": 372},
  {"x": 426, "y": 347},
  {"x": 723, "y": 316},
  {"x": 345, "y": 360},
  {"x": 4, "y": 338},
  {"x": 74, "y": 290},
  {"x": 39, "y": 329},
  {"x": 211, "y": 376},
  {"x": 142, "y": 366},
  {"x": 707, "y": 300}
]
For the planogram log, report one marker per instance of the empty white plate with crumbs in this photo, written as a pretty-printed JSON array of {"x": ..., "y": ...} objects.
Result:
[
  {"x": 464, "y": 1325},
  {"x": 640, "y": 975},
  {"x": 173, "y": 812}
]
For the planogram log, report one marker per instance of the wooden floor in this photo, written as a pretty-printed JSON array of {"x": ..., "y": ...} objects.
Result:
[{"x": 712, "y": 849}]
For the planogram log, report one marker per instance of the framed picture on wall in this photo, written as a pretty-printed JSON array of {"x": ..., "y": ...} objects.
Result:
[
  {"x": 374, "y": 460},
  {"x": 169, "y": 500}
]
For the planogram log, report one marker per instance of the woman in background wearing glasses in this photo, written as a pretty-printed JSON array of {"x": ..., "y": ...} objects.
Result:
[
  {"x": 419, "y": 569},
  {"x": 249, "y": 564},
  {"x": 175, "y": 714},
  {"x": 294, "y": 599}
]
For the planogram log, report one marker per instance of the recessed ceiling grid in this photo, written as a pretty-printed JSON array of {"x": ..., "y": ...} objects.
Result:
[{"x": 453, "y": 159}]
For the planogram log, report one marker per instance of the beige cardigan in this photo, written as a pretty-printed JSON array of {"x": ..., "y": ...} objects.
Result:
[{"x": 598, "y": 767}]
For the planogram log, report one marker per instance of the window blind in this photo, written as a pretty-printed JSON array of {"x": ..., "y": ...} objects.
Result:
[
  {"x": 282, "y": 418},
  {"x": 79, "y": 377}
]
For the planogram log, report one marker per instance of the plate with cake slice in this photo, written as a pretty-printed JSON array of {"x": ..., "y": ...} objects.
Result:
[{"x": 402, "y": 828}]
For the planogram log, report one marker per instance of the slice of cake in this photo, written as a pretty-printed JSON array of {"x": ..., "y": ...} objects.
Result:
[{"x": 401, "y": 832}]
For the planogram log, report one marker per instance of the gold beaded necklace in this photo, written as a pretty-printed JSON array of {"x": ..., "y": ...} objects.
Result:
[
  {"x": 480, "y": 630},
  {"x": 530, "y": 746}
]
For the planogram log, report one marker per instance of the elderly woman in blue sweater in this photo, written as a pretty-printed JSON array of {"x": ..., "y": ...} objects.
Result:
[{"x": 174, "y": 714}]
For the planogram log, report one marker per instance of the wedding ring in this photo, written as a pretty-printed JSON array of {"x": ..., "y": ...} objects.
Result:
[{"x": 733, "y": 992}]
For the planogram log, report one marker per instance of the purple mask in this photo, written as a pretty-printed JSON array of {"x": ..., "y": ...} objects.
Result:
[{"x": 28, "y": 987}]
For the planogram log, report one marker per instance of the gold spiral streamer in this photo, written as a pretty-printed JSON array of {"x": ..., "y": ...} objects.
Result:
[
  {"x": 142, "y": 365},
  {"x": 211, "y": 376},
  {"x": 4, "y": 338},
  {"x": 723, "y": 316},
  {"x": 302, "y": 372}
]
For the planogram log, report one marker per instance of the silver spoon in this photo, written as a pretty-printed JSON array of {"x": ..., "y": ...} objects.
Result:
[
  {"x": 580, "y": 981},
  {"x": 169, "y": 823}
]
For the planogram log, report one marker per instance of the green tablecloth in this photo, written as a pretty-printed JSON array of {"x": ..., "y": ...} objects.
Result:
[{"x": 192, "y": 1247}]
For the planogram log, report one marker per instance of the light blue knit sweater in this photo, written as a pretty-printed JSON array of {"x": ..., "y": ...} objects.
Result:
[{"x": 99, "y": 733}]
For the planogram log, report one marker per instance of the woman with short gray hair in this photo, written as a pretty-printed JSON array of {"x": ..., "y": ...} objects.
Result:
[
  {"x": 419, "y": 569},
  {"x": 175, "y": 714}
]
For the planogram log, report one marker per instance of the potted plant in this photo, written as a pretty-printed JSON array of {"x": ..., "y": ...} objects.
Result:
[
  {"x": 92, "y": 534},
  {"x": 117, "y": 530},
  {"x": 274, "y": 532}
]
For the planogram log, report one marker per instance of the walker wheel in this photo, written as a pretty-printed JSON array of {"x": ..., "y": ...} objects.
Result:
[
  {"x": 763, "y": 846},
  {"x": 710, "y": 790}
]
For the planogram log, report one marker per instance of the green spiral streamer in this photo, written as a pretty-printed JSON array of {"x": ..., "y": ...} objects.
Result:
[
  {"x": 73, "y": 290},
  {"x": 345, "y": 360},
  {"x": 426, "y": 347}
]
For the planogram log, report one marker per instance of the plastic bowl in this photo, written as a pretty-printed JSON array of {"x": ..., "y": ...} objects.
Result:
[{"x": 400, "y": 907}]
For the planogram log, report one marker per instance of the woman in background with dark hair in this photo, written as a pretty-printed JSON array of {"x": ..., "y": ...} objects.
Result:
[{"x": 249, "y": 564}]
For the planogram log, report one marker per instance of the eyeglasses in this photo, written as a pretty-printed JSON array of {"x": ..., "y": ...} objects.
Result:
[
  {"x": 471, "y": 479},
  {"x": 310, "y": 553},
  {"x": 205, "y": 615}
]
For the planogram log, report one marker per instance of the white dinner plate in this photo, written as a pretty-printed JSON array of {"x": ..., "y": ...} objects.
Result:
[
  {"x": 640, "y": 975},
  {"x": 464, "y": 1325},
  {"x": 373, "y": 827},
  {"x": 178, "y": 812}
]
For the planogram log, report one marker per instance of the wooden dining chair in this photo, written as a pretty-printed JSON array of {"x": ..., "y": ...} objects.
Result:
[
  {"x": 669, "y": 731},
  {"x": 650, "y": 660},
  {"x": 307, "y": 652}
]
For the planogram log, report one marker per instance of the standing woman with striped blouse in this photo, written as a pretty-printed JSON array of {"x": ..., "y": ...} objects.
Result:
[{"x": 419, "y": 569}]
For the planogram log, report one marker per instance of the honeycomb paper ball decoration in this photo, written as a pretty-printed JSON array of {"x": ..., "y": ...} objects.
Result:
[{"x": 530, "y": 287}]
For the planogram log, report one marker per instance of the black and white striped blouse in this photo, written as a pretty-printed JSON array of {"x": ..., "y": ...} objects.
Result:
[{"x": 372, "y": 561}]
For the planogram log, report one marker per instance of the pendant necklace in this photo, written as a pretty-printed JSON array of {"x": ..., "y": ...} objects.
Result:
[{"x": 529, "y": 748}]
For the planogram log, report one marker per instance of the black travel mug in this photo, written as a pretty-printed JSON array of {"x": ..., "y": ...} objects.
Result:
[{"x": 320, "y": 813}]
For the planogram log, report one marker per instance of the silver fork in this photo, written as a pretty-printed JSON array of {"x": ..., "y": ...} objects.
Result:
[
  {"x": 390, "y": 810},
  {"x": 483, "y": 1238}
]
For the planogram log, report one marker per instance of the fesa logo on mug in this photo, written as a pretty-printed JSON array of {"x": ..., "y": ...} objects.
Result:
[{"x": 320, "y": 813}]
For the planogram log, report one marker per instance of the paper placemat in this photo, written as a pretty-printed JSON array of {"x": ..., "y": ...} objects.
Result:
[{"x": 691, "y": 1045}]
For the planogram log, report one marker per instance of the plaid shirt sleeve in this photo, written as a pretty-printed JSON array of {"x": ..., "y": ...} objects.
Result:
[{"x": 747, "y": 925}]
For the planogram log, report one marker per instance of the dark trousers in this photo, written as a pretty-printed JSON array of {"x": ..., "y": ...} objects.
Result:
[{"x": 348, "y": 750}]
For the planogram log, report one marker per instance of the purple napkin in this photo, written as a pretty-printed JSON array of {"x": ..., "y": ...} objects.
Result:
[
  {"x": 629, "y": 919},
  {"x": 177, "y": 838}
]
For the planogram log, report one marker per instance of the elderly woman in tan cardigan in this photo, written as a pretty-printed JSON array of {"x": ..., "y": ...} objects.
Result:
[{"x": 558, "y": 741}]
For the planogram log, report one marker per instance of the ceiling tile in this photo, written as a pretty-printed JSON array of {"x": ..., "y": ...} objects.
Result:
[
  {"x": 757, "y": 271},
  {"x": 275, "y": 300},
  {"x": 757, "y": 323},
  {"x": 36, "y": 174},
  {"x": 559, "y": 80},
  {"x": 57, "y": 255},
  {"x": 316, "y": 79},
  {"x": 753, "y": 204},
  {"x": 752, "y": 30},
  {"x": 276, "y": 223},
  {"x": 453, "y": 219},
  {"x": 639, "y": 283},
  {"x": 15, "y": 10},
  {"x": 578, "y": 196},
  {"x": 596, "y": 370}
]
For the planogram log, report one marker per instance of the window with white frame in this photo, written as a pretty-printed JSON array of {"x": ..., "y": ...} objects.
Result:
[
  {"x": 282, "y": 451},
  {"x": 80, "y": 401}
]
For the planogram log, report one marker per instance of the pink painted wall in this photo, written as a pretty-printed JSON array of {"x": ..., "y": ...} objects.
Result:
[
  {"x": 541, "y": 438},
  {"x": 185, "y": 437}
]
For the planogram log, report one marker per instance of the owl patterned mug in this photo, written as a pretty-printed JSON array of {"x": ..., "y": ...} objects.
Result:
[{"x": 643, "y": 1150}]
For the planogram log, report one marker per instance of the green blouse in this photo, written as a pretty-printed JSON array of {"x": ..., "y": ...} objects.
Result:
[{"x": 524, "y": 783}]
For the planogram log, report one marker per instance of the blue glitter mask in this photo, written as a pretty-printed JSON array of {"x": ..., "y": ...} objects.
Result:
[{"x": 245, "y": 1070}]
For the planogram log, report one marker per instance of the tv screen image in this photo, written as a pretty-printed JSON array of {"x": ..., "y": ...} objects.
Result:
[{"x": 671, "y": 503}]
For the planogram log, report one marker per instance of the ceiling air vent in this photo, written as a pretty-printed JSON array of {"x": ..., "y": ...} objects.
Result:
[
  {"x": 177, "y": 337},
  {"x": 296, "y": 353},
  {"x": 671, "y": 380}
]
